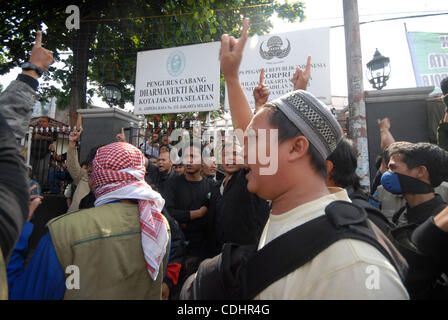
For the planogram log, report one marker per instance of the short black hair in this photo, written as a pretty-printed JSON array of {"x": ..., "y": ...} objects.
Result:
[
  {"x": 287, "y": 130},
  {"x": 434, "y": 158},
  {"x": 385, "y": 156},
  {"x": 164, "y": 145},
  {"x": 344, "y": 159}
]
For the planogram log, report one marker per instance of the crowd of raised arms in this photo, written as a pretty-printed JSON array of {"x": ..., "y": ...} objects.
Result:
[{"x": 197, "y": 221}]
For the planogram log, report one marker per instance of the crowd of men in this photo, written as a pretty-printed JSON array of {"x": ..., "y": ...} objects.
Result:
[{"x": 158, "y": 221}]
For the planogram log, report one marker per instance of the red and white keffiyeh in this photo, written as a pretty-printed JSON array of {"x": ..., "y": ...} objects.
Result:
[{"x": 118, "y": 173}]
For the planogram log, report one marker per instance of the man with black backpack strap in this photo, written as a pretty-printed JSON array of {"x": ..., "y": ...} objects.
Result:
[{"x": 335, "y": 266}]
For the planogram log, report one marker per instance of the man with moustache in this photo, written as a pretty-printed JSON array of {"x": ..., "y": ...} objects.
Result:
[{"x": 165, "y": 172}]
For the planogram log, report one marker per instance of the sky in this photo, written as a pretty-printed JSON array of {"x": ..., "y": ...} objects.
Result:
[{"x": 389, "y": 37}]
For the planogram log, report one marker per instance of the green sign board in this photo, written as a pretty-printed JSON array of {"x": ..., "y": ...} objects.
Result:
[{"x": 429, "y": 54}]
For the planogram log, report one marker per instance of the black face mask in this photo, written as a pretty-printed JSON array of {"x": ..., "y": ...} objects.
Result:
[
  {"x": 400, "y": 184},
  {"x": 413, "y": 185}
]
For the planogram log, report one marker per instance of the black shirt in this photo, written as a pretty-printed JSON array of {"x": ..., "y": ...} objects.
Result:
[
  {"x": 181, "y": 196},
  {"x": 421, "y": 281},
  {"x": 236, "y": 216},
  {"x": 420, "y": 213},
  {"x": 163, "y": 181}
]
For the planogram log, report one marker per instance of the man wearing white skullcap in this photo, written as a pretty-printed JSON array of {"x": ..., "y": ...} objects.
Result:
[{"x": 306, "y": 133}]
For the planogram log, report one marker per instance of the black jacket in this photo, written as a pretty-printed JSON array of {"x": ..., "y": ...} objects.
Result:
[
  {"x": 163, "y": 181},
  {"x": 433, "y": 243},
  {"x": 419, "y": 214},
  {"x": 424, "y": 270},
  {"x": 237, "y": 216}
]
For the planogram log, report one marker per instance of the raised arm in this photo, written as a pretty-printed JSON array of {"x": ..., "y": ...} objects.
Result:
[
  {"x": 73, "y": 166},
  {"x": 230, "y": 57},
  {"x": 17, "y": 100},
  {"x": 385, "y": 134}
]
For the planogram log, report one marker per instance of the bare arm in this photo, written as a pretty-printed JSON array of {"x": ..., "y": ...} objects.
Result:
[
  {"x": 385, "y": 134},
  {"x": 230, "y": 57},
  {"x": 73, "y": 166}
]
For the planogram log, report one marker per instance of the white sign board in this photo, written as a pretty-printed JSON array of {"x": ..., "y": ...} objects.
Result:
[
  {"x": 279, "y": 55},
  {"x": 180, "y": 79}
]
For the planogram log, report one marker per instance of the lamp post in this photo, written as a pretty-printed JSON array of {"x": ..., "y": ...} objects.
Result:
[
  {"x": 357, "y": 124},
  {"x": 112, "y": 93},
  {"x": 378, "y": 70}
]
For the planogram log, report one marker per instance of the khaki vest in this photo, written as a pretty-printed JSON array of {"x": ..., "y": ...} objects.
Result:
[
  {"x": 105, "y": 244},
  {"x": 3, "y": 280}
]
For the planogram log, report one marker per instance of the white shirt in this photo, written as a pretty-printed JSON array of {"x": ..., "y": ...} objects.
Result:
[
  {"x": 149, "y": 150},
  {"x": 342, "y": 271}
]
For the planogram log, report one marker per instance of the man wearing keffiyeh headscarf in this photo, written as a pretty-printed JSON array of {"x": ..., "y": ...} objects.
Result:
[{"x": 119, "y": 248}]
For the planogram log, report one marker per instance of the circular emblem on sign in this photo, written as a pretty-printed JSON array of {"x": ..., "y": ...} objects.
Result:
[
  {"x": 175, "y": 64},
  {"x": 275, "y": 48}
]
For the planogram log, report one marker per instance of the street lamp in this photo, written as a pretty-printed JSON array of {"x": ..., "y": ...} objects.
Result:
[
  {"x": 378, "y": 70},
  {"x": 112, "y": 93}
]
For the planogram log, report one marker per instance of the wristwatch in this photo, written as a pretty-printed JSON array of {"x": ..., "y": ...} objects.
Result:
[{"x": 30, "y": 66}]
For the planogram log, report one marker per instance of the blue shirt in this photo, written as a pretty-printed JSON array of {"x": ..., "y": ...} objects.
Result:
[
  {"x": 375, "y": 202},
  {"x": 43, "y": 278}
]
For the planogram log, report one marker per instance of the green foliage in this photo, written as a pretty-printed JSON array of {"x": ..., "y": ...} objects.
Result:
[{"x": 110, "y": 44}]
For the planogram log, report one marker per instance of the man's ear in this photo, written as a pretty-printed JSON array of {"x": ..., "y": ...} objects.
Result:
[
  {"x": 329, "y": 166},
  {"x": 298, "y": 148},
  {"x": 422, "y": 173}
]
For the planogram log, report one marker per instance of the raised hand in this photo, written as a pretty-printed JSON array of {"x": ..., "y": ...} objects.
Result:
[
  {"x": 261, "y": 92},
  {"x": 74, "y": 136},
  {"x": 301, "y": 77},
  {"x": 40, "y": 56},
  {"x": 231, "y": 52},
  {"x": 121, "y": 137},
  {"x": 384, "y": 124}
]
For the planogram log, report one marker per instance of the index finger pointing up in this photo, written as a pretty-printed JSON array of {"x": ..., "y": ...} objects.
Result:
[
  {"x": 262, "y": 76},
  {"x": 38, "y": 41},
  {"x": 308, "y": 64}
]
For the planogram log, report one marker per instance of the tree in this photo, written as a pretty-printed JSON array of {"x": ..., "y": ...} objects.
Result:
[{"x": 111, "y": 32}]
